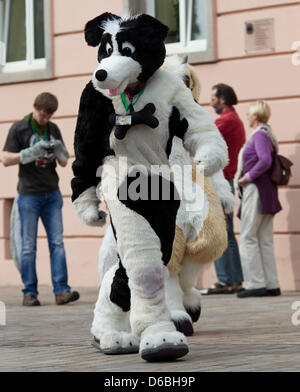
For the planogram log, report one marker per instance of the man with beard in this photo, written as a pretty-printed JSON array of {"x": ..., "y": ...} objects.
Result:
[{"x": 228, "y": 266}]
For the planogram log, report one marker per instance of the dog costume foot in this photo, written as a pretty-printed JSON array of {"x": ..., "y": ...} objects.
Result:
[
  {"x": 115, "y": 343},
  {"x": 162, "y": 346},
  {"x": 192, "y": 304},
  {"x": 182, "y": 322},
  {"x": 194, "y": 313}
]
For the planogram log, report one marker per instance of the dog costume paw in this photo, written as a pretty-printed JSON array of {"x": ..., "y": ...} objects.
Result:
[
  {"x": 182, "y": 322},
  {"x": 115, "y": 342},
  {"x": 192, "y": 304},
  {"x": 86, "y": 208},
  {"x": 158, "y": 346}
]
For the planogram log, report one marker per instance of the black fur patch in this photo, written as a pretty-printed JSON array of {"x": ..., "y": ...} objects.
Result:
[
  {"x": 91, "y": 143},
  {"x": 147, "y": 35},
  {"x": 160, "y": 213},
  {"x": 124, "y": 51},
  {"x": 103, "y": 52},
  {"x": 120, "y": 292},
  {"x": 184, "y": 326},
  {"x": 194, "y": 313},
  {"x": 93, "y": 31},
  {"x": 177, "y": 128}
]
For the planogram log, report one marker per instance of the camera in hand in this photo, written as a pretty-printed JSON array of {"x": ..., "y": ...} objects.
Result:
[
  {"x": 50, "y": 149},
  {"x": 43, "y": 160}
]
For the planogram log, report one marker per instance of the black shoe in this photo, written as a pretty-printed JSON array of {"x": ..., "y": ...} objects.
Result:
[
  {"x": 218, "y": 288},
  {"x": 272, "y": 292},
  {"x": 252, "y": 293},
  {"x": 237, "y": 287}
]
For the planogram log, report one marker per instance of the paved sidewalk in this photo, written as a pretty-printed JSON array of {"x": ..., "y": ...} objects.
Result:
[{"x": 232, "y": 335}]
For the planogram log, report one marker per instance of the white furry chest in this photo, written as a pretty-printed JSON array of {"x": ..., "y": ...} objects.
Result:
[{"x": 143, "y": 144}]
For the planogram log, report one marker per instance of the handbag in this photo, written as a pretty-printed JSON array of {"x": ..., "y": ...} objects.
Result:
[{"x": 280, "y": 169}]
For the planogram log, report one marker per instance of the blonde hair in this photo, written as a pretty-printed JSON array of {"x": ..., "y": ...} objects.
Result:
[{"x": 262, "y": 110}]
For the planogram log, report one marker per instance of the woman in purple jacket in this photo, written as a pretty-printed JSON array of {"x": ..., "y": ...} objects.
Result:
[{"x": 259, "y": 204}]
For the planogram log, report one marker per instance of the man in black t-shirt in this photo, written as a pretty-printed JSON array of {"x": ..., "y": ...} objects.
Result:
[{"x": 36, "y": 144}]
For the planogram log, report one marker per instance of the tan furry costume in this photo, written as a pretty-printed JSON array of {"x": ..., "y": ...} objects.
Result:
[{"x": 211, "y": 241}]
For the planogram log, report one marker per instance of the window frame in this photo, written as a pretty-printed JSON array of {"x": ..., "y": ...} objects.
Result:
[
  {"x": 199, "y": 51},
  {"x": 30, "y": 68}
]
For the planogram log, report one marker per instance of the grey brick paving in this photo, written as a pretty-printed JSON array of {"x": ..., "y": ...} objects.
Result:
[{"x": 232, "y": 335}]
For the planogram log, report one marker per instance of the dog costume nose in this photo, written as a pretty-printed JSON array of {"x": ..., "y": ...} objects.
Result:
[{"x": 101, "y": 75}]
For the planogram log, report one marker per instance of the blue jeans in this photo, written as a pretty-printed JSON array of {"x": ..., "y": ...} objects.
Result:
[
  {"x": 228, "y": 266},
  {"x": 47, "y": 206}
]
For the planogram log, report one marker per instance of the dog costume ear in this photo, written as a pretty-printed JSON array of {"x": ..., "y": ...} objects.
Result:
[
  {"x": 151, "y": 29},
  {"x": 93, "y": 30}
]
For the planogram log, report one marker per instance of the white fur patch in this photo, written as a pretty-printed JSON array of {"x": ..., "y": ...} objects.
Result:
[
  {"x": 107, "y": 315},
  {"x": 192, "y": 299},
  {"x": 187, "y": 278},
  {"x": 108, "y": 253},
  {"x": 111, "y": 26},
  {"x": 121, "y": 71},
  {"x": 174, "y": 64},
  {"x": 174, "y": 294},
  {"x": 194, "y": 205},
  {"x": 188, "y": 275},
  {"x": 181, "y": 315}
]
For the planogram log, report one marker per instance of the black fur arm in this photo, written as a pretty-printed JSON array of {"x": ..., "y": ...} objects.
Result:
[{"x": 91, "y": 143}]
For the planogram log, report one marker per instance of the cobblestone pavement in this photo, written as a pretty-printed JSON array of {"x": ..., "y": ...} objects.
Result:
[{"x": 255, "y": 334}]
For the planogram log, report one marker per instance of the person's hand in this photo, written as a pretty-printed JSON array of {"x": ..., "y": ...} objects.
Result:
[
  {"x": 56, "y": 146},
  {"x": 30, "y": 154},
  {"x": 59, "y": 150},
  {"x": 242, "y": 181}
]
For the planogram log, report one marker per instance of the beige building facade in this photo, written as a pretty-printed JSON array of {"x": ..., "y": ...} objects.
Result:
[{"x": 252, "y": 45}]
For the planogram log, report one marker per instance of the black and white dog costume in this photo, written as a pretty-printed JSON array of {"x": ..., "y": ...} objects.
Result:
[{"x": 131, "y": 308}]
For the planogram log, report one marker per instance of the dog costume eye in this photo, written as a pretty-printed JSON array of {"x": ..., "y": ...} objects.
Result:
[
  {"x": 127, "y": 48},
  {"x": 108, "y": 48}
]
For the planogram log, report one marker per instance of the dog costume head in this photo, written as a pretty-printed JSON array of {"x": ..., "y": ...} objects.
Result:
[{"x": 130, "y": 50}]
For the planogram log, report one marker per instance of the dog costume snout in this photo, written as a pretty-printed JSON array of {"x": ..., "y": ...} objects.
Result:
[{"x": 101, "y": 75}]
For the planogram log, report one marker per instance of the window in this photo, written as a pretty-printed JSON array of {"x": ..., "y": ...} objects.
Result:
[
  {"x": 190, "y": 25},
  {"x": 25, "y": 40}
]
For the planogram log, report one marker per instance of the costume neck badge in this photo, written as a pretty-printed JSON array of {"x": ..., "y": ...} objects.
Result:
[{"x": 133, "y": 97}]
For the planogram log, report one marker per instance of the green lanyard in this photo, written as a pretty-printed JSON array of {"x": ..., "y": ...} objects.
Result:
[
  {"x": 35, "y": 131},
  {"x": 133, "y": 102}
]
